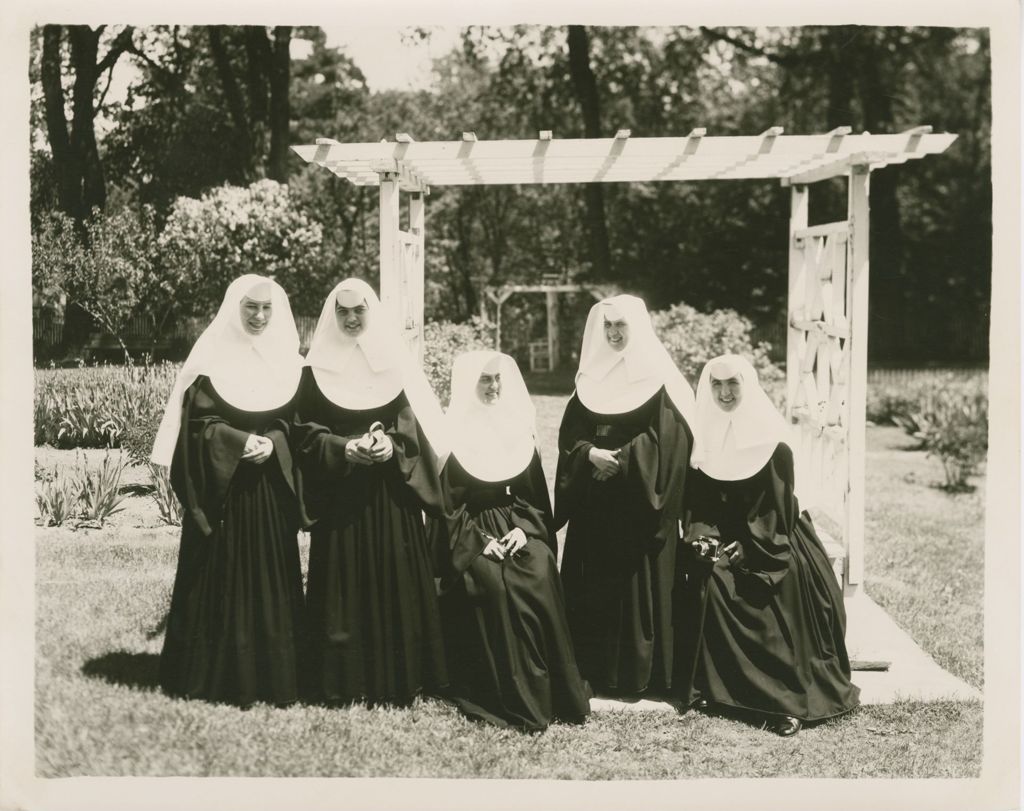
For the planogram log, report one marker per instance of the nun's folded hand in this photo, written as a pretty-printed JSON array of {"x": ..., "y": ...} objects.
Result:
[
  {"x": 257, "y": 450},
  {"x": 514, "y": 540},
  {"x": 605, "y": 462},
  {"x": 357, "y": 451},
  {"x": 382, "y": 448},
  {"x": 734, "y": 552},
  {"x": 494, "y": 550}
]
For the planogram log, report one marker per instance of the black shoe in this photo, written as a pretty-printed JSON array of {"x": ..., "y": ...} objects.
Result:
[
  {"x": 701, "y": 705},
  {"x": 786, "y": 726}
]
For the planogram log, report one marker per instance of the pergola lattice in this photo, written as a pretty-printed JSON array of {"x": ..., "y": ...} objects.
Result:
[{"x": 826, "y": 359}]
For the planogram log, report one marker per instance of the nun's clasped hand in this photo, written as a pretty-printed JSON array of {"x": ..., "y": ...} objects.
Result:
[
  {"x": 507, "y": 546},
  {"x": 258, "y": 449},
  {"x": 605, "y": 462},
  {"x": 514, "y": 540},
  {"x": 372, "y": 447}
]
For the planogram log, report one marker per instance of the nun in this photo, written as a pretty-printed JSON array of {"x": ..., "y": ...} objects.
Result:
[
  {"x": 510, "y": 655},
  {"x": 368, "y": 434},
  {"x": 235, "y": 620},
  {"x": 624, "y": 448},
  {"x": 767, "y": 634}
]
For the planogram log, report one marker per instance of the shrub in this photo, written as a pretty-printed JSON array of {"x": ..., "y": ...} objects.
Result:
[
  {"x": 104, "y": 270},
  {"x": 950, "y": 419},
  {"x": 885, "y": 405},
  {"x": 442, "y": 341},
  {"x": 232, "y": 230},
  {"x": 693, "y": 338}
]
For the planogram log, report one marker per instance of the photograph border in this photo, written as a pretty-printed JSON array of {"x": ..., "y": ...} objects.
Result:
[{"x": 999, "y": 783}]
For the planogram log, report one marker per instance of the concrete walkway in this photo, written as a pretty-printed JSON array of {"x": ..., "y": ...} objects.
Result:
[{"x": 871, "y": 637}]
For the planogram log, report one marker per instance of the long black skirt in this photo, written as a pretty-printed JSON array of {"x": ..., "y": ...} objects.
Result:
[
  {"x": 509, "y": 650},
  {"x": 375, "y": 633},
  {"x": 235, "y": 624},
  {"x": 773, "y": 652}
]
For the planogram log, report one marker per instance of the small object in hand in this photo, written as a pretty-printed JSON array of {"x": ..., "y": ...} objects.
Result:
[
  {"x": 376, "y": 434},
  {"x": 707, "y": 548}
]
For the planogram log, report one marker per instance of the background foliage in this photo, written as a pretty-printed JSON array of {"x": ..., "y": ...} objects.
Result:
[{"x": 190, "y": 167}]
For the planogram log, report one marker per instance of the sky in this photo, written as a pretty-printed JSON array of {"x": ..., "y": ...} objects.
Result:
[{"x": 387, "y": 61}]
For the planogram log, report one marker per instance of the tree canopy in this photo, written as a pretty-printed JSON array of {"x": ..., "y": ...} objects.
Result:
[{"x": 215, "y": 106}]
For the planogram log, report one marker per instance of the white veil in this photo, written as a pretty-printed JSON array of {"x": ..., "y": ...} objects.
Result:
[
  {"x": 613, "y": 382},
  {"x": 735, "y": 445},
  {"x": 492, "y": 442},
  {"x": 371, "y": 370},
  {"x": 251, "y": 372}
]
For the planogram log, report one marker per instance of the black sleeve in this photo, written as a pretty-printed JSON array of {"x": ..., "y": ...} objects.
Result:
[
  {"x": 532, "y": 505},
  {"x": 205, "y": 458},
  {"x": 771, "y": 521},
  {"x": 654, "y": 466},
  {"x": 573, "y": 474}
]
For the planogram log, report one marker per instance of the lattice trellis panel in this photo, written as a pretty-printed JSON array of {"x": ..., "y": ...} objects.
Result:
[
  {"x": 410, "y": 283},
  {"x": 819, "y": 324}
]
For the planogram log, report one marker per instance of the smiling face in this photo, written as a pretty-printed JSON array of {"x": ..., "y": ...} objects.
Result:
[
  {"x": 351, "y": 313},
  {"x": 488, "y": 385},
  {"x": 727, "y": 392},
  {"x": 256, "y": 310},
  {"x": 616, "y": 333}
]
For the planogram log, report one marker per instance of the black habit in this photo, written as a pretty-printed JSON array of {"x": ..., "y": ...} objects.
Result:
[
  {"x": 619, "y": 564},
  {"x": 235, "y": 621},
  {"x": 510, "y": 655},
  {"x": 766, "y": 630},
  {"x": 373, "y": 621}
]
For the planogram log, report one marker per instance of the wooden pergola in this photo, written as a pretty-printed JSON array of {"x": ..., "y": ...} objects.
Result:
[{"x": 826, "y": 348}]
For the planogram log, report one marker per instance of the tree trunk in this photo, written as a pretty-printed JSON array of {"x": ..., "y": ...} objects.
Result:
[
  {"x": 280, "y": 113},
  {"x": 840, "y": 77},
  {"x": 593, "y": 194},
  {"x": 57, "y": 125},
  {"x": 889, "y": 300},
  {"x": 84, "y": 52},
  {"x": 242, "y": 170}
]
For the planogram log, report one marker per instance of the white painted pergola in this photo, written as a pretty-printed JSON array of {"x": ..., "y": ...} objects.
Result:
[{"x": 826, "y": 350}]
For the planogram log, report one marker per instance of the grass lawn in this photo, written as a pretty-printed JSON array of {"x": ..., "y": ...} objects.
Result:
[{"x": 101, "y": 594}]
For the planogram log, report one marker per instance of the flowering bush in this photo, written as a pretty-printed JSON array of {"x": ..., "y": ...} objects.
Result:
[
  {"x": 235, "y": 230},
  {"x": 442, "y": 341},
  {"x": 693, "y": 338}
]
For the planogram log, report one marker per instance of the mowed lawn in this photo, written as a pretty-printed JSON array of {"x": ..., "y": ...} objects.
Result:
[{"x": 101, "y": 595}]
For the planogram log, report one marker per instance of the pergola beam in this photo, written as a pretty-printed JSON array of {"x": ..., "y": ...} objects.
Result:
[
  {"x": 839, "y": 168},
  {"x": 794, "y": 159},
  {"x": 723, "y": 147}
]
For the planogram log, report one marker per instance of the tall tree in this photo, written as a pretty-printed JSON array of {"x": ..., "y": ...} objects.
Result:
[
  {"x": 262, "y": 109},
  {"x": 76, "y": 158},
  {"x": 586, "y": 93}
]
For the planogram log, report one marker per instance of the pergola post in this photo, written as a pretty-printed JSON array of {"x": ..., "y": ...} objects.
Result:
[
  {"x": 417, "y": 278},
  {"x": 798, "y": 208},
  {"x": 389, "y": 237},
  {"x": 858, "y": 208},
  {"x": 551, "y": 300}
]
